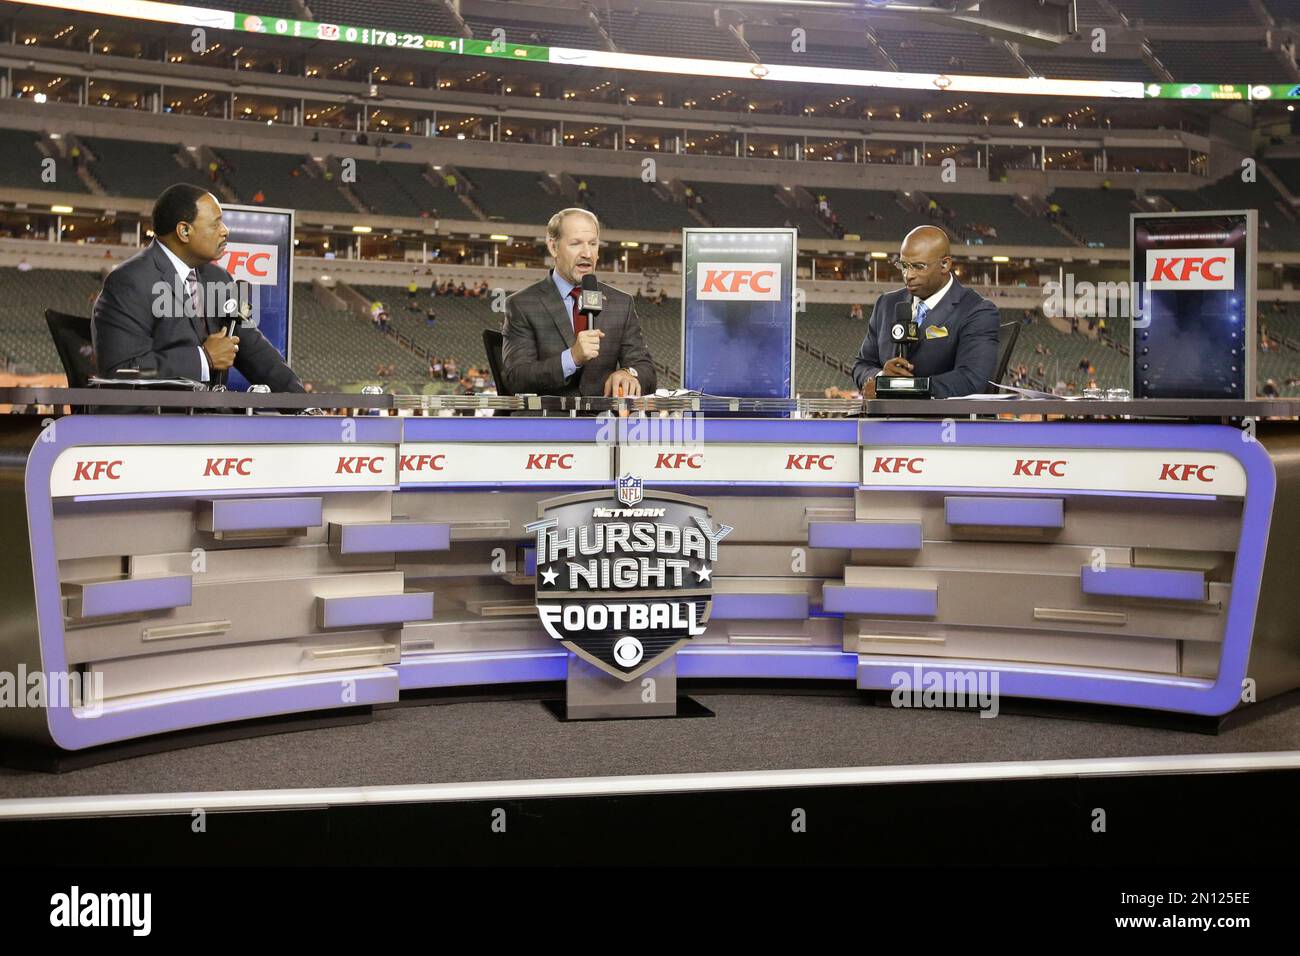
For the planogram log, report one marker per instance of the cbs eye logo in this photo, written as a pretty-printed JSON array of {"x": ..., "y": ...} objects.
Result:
[{"x": 628, "y": 651}]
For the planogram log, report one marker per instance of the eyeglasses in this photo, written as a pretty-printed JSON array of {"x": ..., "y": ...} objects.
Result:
[{"x": 903, "y": 265}]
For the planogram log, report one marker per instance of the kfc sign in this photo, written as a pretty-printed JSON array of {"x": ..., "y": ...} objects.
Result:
[
  {"x": 1205, "y": 269},
  {"x": 253, "y": 262},
  {"x": 738, "y": 281}
]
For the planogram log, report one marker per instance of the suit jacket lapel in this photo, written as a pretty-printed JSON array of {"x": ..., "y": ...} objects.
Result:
[
  {"x": 177, "y": 285},
  {"x": 555, "y": 306}
]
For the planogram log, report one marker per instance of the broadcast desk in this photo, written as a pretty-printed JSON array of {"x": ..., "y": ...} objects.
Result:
[{"x": 200, "y": 569}]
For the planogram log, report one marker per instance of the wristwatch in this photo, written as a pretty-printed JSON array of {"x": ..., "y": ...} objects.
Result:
[{"x": 632, "y": 372}]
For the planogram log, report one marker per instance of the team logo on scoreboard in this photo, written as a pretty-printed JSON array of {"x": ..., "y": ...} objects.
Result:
[{"x": 622, "y": 583}]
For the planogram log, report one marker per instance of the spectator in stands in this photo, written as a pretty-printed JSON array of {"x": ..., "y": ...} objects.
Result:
[
  {"x": 1270, "y": 389},
  {"x": 461, "y": 291},
  {"x": 212, "y": 171},
  {"x": 24, "y": 265},
  {"x": 855, "y": 312},
  {"x": 435, "y": 367},
  {"x": 934, "y": 209},
  {"x": 74, "y": 154},
  {"x": 583, "y": 192},
  {"x": 823, "y": 206},
  {"x": 177, "y": 333},
  {"x": 549, "y": 348},
  {"x": 413, "y": 294},
  {"x": 958, "y": 327},
  {"x": 259, "y": 197},
  {"x": 429, "y": 317}
]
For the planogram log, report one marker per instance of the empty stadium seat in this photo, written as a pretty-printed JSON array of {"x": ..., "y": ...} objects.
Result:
[
  {"x": 510, "y": 196},
  {"x": 625, "y": 202},
  {"x": 1220, "y": 61},
  {"x": 403, "y": 189},
  {"x": 273, "y": 174},
  {"x": 139, "y": 168},
  {"x": 745, "y": 204},
  {"x": 922, "y": 52},
  {"x": 24, "y": 164},
  {"x": 669, "y": 35}
]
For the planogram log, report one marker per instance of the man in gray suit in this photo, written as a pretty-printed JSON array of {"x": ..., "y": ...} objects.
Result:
[
  {"x": 157, "y": 312},
  {"x": 548, "y": 348},
  {"x": 958, "y": 349}
]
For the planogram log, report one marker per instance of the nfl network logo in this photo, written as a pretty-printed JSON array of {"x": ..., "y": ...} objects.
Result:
[{"x": 629, "y": 490}]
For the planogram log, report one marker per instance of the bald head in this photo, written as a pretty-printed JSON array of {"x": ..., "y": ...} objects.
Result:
[{"x": 926, "y": 246}]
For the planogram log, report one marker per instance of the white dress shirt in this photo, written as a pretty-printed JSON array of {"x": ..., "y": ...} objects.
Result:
[{"x": 184, "y": 271}]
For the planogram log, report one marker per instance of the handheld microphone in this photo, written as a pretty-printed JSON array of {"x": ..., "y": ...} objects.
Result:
[
  {"x": 591, "y": 301},
  {"x": 235, "y": 311},
  {"x": 903, "y": 333}
]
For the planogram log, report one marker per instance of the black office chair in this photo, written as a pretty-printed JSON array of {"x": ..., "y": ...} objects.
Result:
[
  {"x": 493, "y": 342},
  {"x": 71, "y": 334},
  {"x": 1008, "y": 332}
]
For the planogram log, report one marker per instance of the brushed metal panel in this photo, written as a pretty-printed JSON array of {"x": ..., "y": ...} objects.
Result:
[
  {"x": 785, "y": 517},
  {"x": 1019, "y": 646},
  {"x": 162, "y": 673},
  {"x": 1008, "y": 599},
  {"x": 1199, "y": 659},
  {"x": 258, "y": 563},
  {"x": 258, "y": 610},
  {"x": 995, "y": 556},
  {"x": 1089, "y": 520}
]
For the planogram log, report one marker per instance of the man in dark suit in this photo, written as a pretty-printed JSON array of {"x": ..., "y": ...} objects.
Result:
[
  {"x": 958, "y": 326},
  {"x": 548, "y": 348},
  {"x": 158, "y": 311}
]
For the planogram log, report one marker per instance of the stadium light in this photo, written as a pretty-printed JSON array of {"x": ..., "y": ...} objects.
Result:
[
  {"x": 61, "y": 209},
  {"x": 361, "y": 229},
  {"x": 497, "y": 237},
  {"x": 880, "y": 255}
]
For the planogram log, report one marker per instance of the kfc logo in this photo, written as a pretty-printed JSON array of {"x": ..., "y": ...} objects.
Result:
[
  {"x": 359, "y": 464},
  {"x": 255, "y": 263},
  {"x": 225, "y": 467},
  {"x": 93, "y": 470},
  {"x": 1035, "y": 467},
  {"x": 1184, "y": 472},
  {"x": 1206, "y": 269},
  {"x": 809, "y": 462},
  {"x": 892, "y": 466},
  {"x": 549, "y": 461},
  {"x": 419, "y": 463},
  {"x": 738, "y": 281},
  {"x": 677, "y": 460}
]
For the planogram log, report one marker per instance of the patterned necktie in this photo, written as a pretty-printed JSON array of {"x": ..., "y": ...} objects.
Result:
[
  {"x": 192, "y": 290},
  {"x": 579, "y": 318},
  {"x": 922, "y": 310}
]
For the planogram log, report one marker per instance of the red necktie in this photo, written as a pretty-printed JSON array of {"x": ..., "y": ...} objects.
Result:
[{"x": 579, "y": 318}]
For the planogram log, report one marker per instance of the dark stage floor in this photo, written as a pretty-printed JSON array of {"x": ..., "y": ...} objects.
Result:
[{"x": 516, "y": 739}]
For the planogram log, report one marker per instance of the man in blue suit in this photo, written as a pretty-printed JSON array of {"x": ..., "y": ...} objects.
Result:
[{"x": 958, "y": 326}]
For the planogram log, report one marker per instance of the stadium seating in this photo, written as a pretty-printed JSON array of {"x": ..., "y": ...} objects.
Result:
[
  {"x": 24, "y": 296},
  {"x": 861, "y": 56},
  {"x": 1091, "y": 68},
  {"x": 743, "y": 204},
  {"x": 869, "y": 213},
  {"x": 509, "y": 196},
  {"x": 1287, "y": 169},
  {"x": 336, "y": 347},
  {"x": 1181, "y": 13},
  {"x": 1284, "y": 11},
  {"x": 540, "y": 33},
  {"x": 24, "y": 163},
  {"x": 918, "y": 52},
  {"x": 1090, "y": 13},
  {"x": 1100, "y": 216},
  {"x": 627, "y": 203},
  {"x": 402, "y": 189},
  {"x": 1013, "y": 226},
  {"x": 138, "y": 168},
  {"x": 426, "y": 16},
  {"x": 1220, "y": 61},
  {"x": 669, "y": 35},
  {"x": 1278, "y": 228},
  {"x": 273, "y": 174}
]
